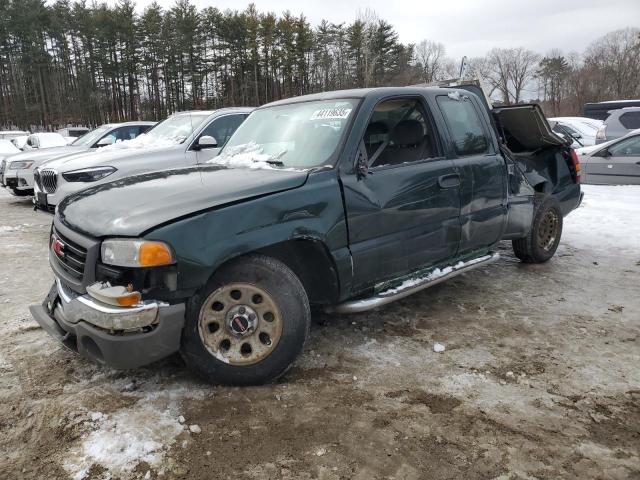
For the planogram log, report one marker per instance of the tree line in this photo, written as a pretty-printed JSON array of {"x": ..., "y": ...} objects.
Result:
[{"x": 70, "y": 62}]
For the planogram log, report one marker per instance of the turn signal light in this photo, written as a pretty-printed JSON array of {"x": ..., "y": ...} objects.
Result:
[
  {"x": 154, "y": 253},
  {"x": 129, "y": 299}
]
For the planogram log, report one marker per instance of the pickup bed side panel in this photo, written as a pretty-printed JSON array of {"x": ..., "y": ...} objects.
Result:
[{"x": 312, "y": 211}]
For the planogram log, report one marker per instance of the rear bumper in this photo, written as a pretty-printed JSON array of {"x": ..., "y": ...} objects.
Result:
[{"x": 74, "y": 323}]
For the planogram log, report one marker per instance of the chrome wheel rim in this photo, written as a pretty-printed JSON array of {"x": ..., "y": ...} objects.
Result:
[
  {"x": 240, "y": 324},
  {"x": 548, "y": 230}
]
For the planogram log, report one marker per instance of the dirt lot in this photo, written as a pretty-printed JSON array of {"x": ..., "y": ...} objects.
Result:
[{"x": 539, "y": 378}]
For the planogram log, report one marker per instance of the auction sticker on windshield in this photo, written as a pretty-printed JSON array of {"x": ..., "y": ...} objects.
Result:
[{"x": 331, "y": 113}]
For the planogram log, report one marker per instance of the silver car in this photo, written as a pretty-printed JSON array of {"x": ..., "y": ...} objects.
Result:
[
  {"x": 183, "y": 139},
  {"x": 616, "y": 162},
  {"x": 618, "y": 124},
  {"x": 19, "y": 170}
]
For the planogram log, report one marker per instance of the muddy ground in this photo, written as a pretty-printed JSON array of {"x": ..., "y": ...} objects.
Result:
[{"x": 539, "y": 379}]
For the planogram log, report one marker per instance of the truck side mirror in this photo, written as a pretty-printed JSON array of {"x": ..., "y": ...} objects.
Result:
[{"x": 206, "y": 141}]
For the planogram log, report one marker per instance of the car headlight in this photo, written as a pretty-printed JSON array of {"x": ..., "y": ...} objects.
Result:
[
  {"x": 88, "y": 174},
  {"x": 126, "y": 252},
  {"x": 21, "y": 165}
]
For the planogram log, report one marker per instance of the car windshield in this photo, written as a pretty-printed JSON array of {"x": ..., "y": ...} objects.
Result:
[
  {"x": 297, "y": 135},
  {"x": 93, "y": 136},
  {"x": 177, "y": 128}
]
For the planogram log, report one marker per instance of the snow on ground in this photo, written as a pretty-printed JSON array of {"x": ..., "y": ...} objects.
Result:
[
  {"x": 609, "y": 218},
  {"x": 120, "y": 442}
]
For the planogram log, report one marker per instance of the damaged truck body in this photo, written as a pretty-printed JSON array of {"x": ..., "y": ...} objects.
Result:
[{"x": 346, "y": 200}]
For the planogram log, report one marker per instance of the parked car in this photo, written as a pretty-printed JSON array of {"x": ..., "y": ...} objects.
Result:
[
  {"x": 616, "y": 162},
  {"x": 70, "y": 134},
  {"x": 601, "y": 110},
  {"x": 19, "y": 174},
  {"x": 618, "y": 124},
  {"x": 582, "y": 131},
  {"x": 39, "y": 140},
  {"x": 20, "y": 141},
  {"x": 9, "y": 134},
  {"x": 7, "y": 149},
  {"x": 347, "y": 200},
  {"x": 183, "y": 139}
]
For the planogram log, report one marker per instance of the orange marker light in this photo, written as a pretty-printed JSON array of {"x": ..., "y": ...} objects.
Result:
[
  {"x": 154, "y": 253},
  {"x": 129, "y": 299}
]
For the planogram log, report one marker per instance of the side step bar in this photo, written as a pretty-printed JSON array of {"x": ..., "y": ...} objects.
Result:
[{"x": 410, "y": 287}]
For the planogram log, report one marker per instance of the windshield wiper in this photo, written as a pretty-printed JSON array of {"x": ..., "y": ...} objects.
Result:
[{"x": 276, "y": 163}]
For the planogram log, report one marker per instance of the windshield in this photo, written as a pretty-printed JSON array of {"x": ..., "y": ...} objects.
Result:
[
  {"x": 297, "y": 135},
  {"x": 93, "y": 136},
  {"x": 177, "y": 128}
]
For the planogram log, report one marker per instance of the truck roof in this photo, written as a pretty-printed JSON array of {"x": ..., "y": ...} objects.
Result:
[{"x": 377, "y": 92}]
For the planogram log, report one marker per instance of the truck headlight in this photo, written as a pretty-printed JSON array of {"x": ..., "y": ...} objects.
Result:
[
  {"x": 126, "y": 252},
  {"x": 88, "y": 174},
  {"x": 21, "y": 165}
]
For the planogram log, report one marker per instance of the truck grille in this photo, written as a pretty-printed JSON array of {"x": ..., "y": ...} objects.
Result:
[
  {"x": 49, "y": 181},
  {"x": 70, "y": 256}
]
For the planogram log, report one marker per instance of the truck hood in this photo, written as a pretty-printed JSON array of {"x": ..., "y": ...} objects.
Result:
[
  {"x": 43, "y": 154},
  {"x": 103, "y": 157},
  {"x": 133, "y": 205}
]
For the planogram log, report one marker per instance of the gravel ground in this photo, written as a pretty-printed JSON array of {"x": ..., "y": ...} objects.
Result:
[{"x": 539, "y": 378}]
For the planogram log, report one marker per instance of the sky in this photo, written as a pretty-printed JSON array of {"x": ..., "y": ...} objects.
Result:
[{"x": 466, "y": 27}]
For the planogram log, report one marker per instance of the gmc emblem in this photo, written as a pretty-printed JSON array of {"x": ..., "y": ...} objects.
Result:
[{"x": 57, "y": 246}]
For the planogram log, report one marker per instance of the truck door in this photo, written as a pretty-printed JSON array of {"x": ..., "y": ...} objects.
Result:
[
  {"x": 402, "y": 202},
  {"x": 482, "y": 170},
  {"x": 617, "y": 164}
]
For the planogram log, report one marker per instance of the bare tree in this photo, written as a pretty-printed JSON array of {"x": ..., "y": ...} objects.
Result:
[
  {"x": 432, "y": 61},
  {"x": 616, "y": 59},
  {"x": 509, "y": 70}
]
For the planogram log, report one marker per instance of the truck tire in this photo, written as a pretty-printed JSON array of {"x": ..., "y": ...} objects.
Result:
[
  {"x": 248, "y": 324},
  {"x": 542, "y": 241}
]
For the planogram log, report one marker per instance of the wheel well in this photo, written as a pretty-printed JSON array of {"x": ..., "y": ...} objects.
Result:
[{"x": 312, "y": 263}]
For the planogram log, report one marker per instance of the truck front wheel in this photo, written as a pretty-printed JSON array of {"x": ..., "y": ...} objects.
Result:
[
  {"x": 248, "y": 324},
  {"x": 542, "y": 241}
]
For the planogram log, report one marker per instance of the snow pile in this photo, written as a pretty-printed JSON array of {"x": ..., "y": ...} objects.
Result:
[
  {"x": 143, "y": 141},
  {"x": 248, "y": 155},
  {"x": 608, "y": 220},
  {"x": 142, "y": 432},
  {"x": 125, "y": 439}
]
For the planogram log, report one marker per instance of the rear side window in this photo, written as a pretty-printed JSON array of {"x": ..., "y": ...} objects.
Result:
[
  {"x": 630, "y": 120},
  {"x": 465, "y": 125}
]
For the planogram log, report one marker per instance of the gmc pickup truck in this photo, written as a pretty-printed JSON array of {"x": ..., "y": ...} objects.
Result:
[{"x": 345, "y": 200}]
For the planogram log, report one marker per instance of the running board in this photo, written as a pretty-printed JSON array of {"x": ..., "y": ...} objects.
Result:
[{"x": 412, "y": 286}]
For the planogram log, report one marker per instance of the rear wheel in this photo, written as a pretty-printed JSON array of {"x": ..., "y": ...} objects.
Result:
[
  {"x": 248, "y": 324},
  {"x": 544, "y": 237}
]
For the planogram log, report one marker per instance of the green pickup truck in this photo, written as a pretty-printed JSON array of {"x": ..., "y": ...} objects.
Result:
[{"x": 344, "y": 200}]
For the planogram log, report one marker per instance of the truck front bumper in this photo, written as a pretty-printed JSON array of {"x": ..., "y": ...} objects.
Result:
[{"x": 121, "y": 337}]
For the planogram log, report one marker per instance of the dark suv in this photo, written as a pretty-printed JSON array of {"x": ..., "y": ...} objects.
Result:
[{"x": 347, "y": 200}]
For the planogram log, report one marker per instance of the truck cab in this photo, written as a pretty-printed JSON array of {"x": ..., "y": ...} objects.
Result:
[{"x": 345, "y": 200}]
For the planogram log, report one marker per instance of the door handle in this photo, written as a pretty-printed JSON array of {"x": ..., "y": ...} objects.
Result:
[{"x": 449, "y": 181}]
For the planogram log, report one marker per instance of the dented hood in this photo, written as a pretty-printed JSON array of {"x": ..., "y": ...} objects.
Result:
[
  {"x": 525, "y": 128},
  {"x": 133, "y": 205}
]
